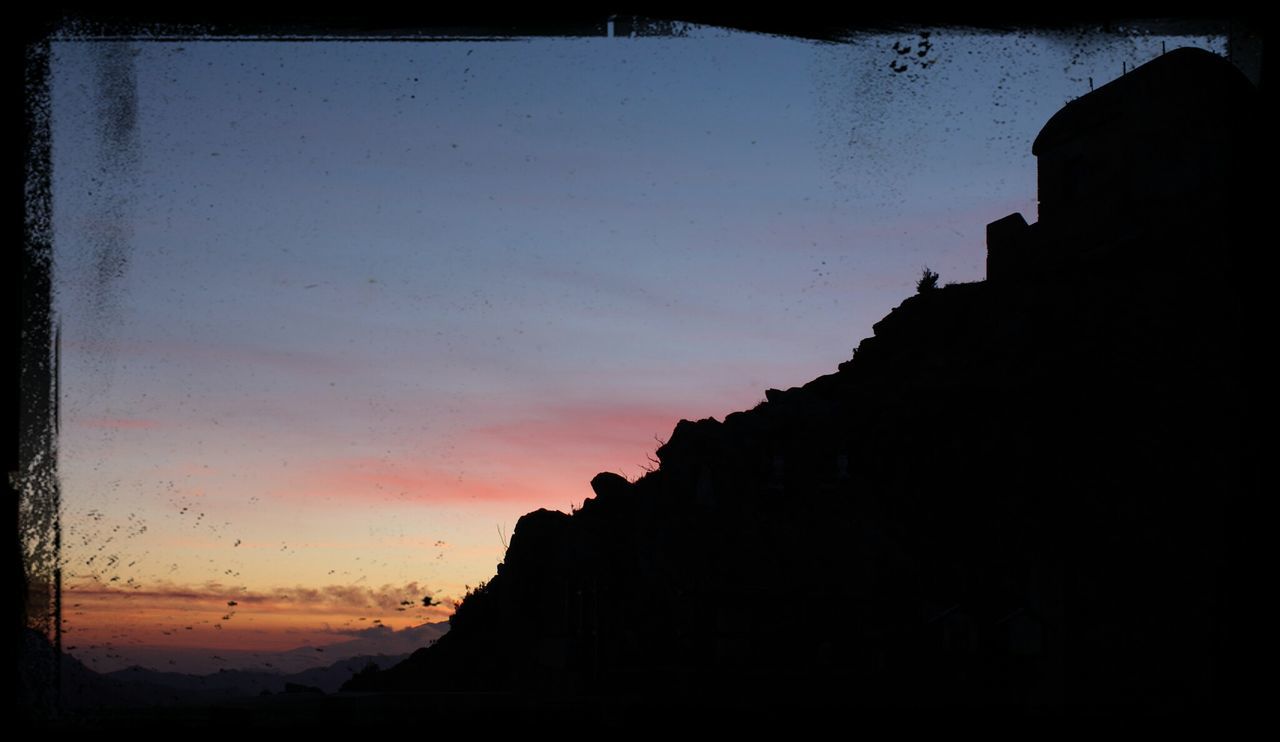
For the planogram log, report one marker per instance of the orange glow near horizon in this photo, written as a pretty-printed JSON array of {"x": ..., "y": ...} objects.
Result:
[
  {"x": 217, "y": 617},
  {"x": 225, "y": 539}
]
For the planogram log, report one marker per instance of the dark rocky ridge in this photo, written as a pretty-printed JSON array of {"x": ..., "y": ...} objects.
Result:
[{"x": 1019, "y": 494}]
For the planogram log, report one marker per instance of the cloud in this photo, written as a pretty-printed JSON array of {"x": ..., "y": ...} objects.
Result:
[
  {"x": 119, "y": 423},
  {"x": 386, "y": 598},
  {"x": 584, "y": 427},
  {"x": 226, "y": 354},
  {"x": 407, "y": 481},
  {"x": 322, "y": 623},
  {"x": 544, "y": 454},
  {"x": 372, "y": 632},
  {"x": 325, "y": 599}
]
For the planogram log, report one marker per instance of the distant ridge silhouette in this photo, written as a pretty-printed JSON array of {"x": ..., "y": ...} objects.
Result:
[{"x": 1018, "y": 495}]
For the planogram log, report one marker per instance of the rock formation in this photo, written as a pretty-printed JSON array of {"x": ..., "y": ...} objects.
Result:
[{"x": 1019, "y": 494}]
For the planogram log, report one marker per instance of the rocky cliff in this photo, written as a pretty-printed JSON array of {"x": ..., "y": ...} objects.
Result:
[{"x": 1019, "y": 494}]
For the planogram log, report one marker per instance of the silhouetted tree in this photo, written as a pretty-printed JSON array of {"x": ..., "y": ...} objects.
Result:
[{"x": 928, "y": 281}]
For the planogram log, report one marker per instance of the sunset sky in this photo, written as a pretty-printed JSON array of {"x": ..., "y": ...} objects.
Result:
[{"x": 334, "y": 315}]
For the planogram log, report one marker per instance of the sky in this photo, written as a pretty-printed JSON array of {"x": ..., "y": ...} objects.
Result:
[{"x": 334, "y": 315}]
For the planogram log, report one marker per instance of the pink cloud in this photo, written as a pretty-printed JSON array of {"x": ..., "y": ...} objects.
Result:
[
  {"x": 364, "y": 479},
  {"x": 609, "y": 429},
  {"x": 543, "y": 457}
]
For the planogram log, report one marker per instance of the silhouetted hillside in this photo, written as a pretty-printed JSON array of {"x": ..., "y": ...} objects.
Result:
[
  {"x": 84, "y": 691},
  {"x": 140, "y": 687},
  {"x": 1018, "y": 494},
  {"x": 233, "y": 683}
]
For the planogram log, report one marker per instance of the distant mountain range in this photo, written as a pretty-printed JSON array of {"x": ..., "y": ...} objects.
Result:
[
  {"x": 229, "y": 683},
  {"x": 83, "y": 688},
  {"x": 374, "y": 640}
]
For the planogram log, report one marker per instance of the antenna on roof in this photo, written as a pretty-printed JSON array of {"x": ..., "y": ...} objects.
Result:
[
  {"x": 1162, "y": 48},
  {"x": 1124, "y": 68},
  {"x": 1091, "y": 84}
]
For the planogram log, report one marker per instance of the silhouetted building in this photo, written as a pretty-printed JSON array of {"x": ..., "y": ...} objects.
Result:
[{"x": 1157, "y": 147}]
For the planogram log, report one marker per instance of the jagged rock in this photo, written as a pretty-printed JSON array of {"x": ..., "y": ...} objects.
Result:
[
  {"x": 537, "y": 539},
  {"x": 689, "y": 438},
  {"x": 606, "y": 484}
]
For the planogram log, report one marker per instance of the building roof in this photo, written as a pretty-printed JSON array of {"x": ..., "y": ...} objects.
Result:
[{"x": 1187, "y": 81}]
